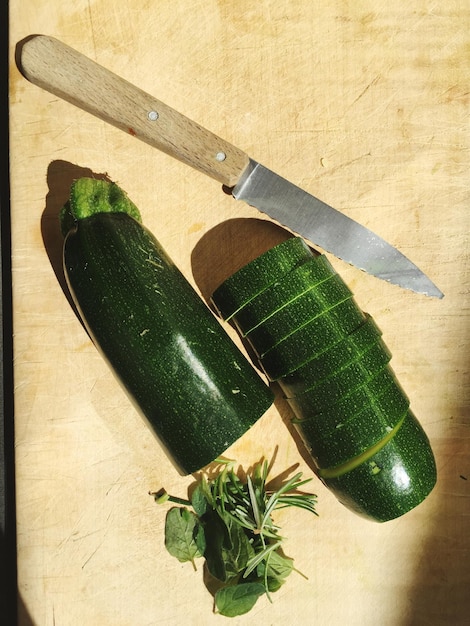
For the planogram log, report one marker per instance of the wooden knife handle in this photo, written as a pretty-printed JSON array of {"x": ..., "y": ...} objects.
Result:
[{"x": 61, "y": 70}]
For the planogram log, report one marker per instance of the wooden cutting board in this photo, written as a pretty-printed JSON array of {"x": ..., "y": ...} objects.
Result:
[{"x": 365, "y": 105}]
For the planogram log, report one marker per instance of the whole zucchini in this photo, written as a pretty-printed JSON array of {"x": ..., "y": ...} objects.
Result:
[
  {"x": 329, "y": 358},
  {"x": 195, "y": 388}
]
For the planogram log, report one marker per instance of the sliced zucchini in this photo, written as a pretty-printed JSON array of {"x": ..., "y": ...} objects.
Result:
[{"x": 351, "y": 412}]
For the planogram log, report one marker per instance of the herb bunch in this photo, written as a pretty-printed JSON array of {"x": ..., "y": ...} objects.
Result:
[{"x": 229, "y": 523}]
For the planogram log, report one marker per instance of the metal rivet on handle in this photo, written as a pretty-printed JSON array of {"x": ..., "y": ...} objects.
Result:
[
  {"x": 220, "y": 156},
  {"x": 152, "y": 115}
]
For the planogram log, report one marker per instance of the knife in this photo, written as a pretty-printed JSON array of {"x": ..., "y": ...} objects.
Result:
[{"x": 65, "y": 72}]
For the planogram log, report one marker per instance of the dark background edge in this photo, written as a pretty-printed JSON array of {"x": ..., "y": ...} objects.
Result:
[{"x": 8, "y": 575}]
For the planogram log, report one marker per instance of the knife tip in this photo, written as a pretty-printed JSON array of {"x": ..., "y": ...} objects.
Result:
[{"x": 436, "y": 293}]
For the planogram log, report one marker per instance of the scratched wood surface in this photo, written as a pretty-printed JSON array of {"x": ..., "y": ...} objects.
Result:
[{"x": 365, "y": 104}]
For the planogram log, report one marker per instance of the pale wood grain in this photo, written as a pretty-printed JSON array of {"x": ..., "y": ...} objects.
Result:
[{"x": 365, "y": 105}]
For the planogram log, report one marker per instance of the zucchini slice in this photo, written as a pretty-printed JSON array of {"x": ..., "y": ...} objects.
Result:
[
  {"x": 330, "y": 291},
  {"x": 389, "y": 482},
  {"x": 196, "y": 390},
  {"x": 302, "y": 278},
  {"x": 329, "y": 390},
  {"x": 288, "y": 355},
  {"x": 333, "y": 414},
  {"x": 259, "y": 274},
  {"x": 343, "y": 318},
  {"x": 357, "y": 432}
]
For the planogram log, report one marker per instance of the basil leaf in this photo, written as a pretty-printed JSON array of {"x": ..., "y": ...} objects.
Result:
[
  {"x": 216, "y": 533},
  {"x": 274, "y": 570},
  {"x": 238, "y": 599},
  {"x": 228, "y": 548},
  {"x": 278, "y": 566},
  {"x": 238, "y": 551},
  {"x": 184, "y": 535},
  {"x": 199, "y": 501}
]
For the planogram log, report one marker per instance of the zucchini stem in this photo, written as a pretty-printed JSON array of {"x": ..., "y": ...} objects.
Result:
[{"x": 90, "y": 196}]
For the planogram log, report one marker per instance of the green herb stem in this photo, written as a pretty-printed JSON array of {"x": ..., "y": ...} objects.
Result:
[{"x": 161, "y": 497}]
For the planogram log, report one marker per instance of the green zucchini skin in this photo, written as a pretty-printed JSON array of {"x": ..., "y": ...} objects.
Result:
[
  {"x": 358, "y": 432},
  {"x": 341, "y": 319},
  {"x": 329, "y": 390},
  {"x": 196, "y": 390},
  {"x": 394, "y": 480},
  {"x": 335, "y": 414},
  {"x": 330, "y": 291},
  {"x": 256, "y": 276},
  {"x": 293, "y": 352},
  {"x": 350, "y": 410}
]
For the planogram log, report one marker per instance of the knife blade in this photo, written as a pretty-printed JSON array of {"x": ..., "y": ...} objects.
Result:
[{"x": 67, "y": 73}]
